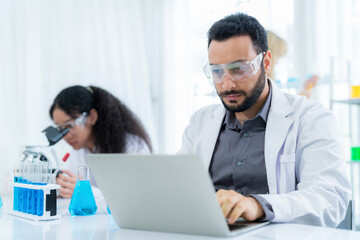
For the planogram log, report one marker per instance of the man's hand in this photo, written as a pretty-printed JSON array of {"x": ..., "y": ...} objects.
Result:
[
  {"x": 235, "y": 205},
  {"x": 67, "y": 183}
]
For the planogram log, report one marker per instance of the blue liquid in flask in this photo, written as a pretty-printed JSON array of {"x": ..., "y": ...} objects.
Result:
[{"x": 82, "y": 201}]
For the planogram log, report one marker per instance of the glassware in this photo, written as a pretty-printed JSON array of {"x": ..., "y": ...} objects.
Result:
[{"x": 82, "y": 201}]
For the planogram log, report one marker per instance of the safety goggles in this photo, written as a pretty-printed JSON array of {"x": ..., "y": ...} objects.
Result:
[
  {"x": 236, "y": 71},
  {"x": 80, "y": 121}
]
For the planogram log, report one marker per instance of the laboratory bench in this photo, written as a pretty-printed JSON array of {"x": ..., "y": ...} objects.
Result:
[{"x": 102, "y": 226}]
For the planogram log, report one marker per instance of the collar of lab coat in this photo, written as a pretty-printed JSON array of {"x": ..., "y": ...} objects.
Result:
[{"x": 277, "y": 127}]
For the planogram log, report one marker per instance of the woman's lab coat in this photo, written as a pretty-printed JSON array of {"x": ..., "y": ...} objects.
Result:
[
  {"x": 134, "y": 144},
  {"x": 303, "y": 155}
]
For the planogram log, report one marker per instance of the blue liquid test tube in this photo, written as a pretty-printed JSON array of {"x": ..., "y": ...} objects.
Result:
[
  {"x": 16, "y": 189},
  {"x": 37, "y": 181},
  {"x": 25, "y": 189},
  {"x": 30, "y": 192},
  {"x": 45, "y": 174},
  {"x": 21, "y": 190}
]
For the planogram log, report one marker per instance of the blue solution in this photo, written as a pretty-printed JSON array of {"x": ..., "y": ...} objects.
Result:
[
  {"x": 24, "y": 194},
  {"x": 25, "y": 199},
  {"x": 21, "y": 195},
  {"x": 23, "y": 206},
  {"x": 16, "y": 196},
  {"x": 1, "y": 203},
  {"x": 29, "y": 200},
  {"x": 82, "y": 201},
  {"x": 40, "y": 203},
  {"x": 34, "y": 202}
]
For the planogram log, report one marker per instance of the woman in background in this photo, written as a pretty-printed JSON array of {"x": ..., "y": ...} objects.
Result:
[
  {"x": 278, "y": 48},
  {"x": 98, "y": 123}
]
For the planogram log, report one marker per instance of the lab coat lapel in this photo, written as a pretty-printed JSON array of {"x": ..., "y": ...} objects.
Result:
[
  {"x": 277, "y": 127},
  {"x": 207, "y": 144}
]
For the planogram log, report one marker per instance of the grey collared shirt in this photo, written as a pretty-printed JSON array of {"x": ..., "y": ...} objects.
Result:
[{"x": 238, "y": 161}]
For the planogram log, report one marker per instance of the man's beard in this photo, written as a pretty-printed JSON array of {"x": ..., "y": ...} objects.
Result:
[{"x": 249, "y": 100}]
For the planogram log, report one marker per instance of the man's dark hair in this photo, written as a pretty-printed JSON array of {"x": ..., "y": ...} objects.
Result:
[
  {"x": 239, "y": 24},
  {"x": 114, "y": 121}
]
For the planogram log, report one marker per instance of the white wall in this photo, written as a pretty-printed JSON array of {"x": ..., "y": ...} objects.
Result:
[{"x": 148, "y": 53}]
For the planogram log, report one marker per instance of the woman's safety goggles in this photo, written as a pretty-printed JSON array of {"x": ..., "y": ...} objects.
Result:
[
  {"x": 80, "y": 121},
  {"x": 236, "y": 71}
]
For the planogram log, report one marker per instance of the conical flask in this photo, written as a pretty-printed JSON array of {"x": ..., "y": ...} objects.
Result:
[{"x": 82, "y": 201}]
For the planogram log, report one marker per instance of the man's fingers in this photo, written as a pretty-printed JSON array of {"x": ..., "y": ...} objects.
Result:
[
  {"x": 252, "y": 209},
  {"x": 235, "y": 205},
  {"x": 223, "y": 195},
  {"x": 236, "y": 212},
  {"x": 228, "y": 204},
  {"x": 227, "y": 200},
  {"x": 248, "y": 208},
  {"x": 221, "y": 192}
]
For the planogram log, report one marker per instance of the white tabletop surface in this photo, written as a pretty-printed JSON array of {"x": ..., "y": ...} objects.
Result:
[{"x": 102, "y": 226}]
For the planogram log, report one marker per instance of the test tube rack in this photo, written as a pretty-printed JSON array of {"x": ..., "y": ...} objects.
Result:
[{"x": 34, "y": 201}]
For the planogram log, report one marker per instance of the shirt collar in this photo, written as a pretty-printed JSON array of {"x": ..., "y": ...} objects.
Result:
[
  {"x": 232, "y": 123},
  {"x": 264, "y": 112}
]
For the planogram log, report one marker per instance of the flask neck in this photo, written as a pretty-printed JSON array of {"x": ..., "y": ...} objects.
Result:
[{"x": 83, "y": 172}]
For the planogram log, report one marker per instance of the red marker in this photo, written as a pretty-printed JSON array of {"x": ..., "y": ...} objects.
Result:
[{"x": 66, "y": 156}]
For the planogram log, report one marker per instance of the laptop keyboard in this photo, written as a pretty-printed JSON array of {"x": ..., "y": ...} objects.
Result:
[{"x": 236, "y": 226}]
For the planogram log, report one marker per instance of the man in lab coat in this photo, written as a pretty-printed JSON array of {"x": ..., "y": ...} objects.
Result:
[{"x": 271, "y": 155}]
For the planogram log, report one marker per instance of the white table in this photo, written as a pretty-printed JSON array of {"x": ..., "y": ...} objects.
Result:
[{"x": 102, "y": 226}]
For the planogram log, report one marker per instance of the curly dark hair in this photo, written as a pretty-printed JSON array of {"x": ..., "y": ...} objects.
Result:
[
  {"x": 236, "y": 25},
  {"x": 114, "y": 121}
]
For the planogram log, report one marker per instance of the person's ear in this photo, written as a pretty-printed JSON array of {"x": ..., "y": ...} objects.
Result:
[
  {"x": 93, "y": 117},
  {"x": 267, "y": 62}
]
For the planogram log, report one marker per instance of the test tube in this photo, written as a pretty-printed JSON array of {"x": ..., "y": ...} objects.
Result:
[
  {"x": 20, "y": 190},
  {"x": 16, "y": 171},
  {"x": 26, "y": 172},
  {"x": 45, "y": 171},
  {"x": 30, "y": 191},
  {"x": 22, "y": 172},
  {"x": 43, "y": 175},
  {"x": 24, "y": 191},
  {"x": 37, "y": 181},
  {"x": 31, "y": 173},
  {"x": 49, "y": 176},
  {"x": 16, "y": 189},
  {"x": 37, "y": 172}
]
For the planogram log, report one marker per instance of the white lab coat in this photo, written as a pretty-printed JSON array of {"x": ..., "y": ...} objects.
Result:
[
  {"x": 303, "y": 155},
  {"x": 134, "y": 144}
]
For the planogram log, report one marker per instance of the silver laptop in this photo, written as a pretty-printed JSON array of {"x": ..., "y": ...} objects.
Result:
[{"x": 168, "y": 193}]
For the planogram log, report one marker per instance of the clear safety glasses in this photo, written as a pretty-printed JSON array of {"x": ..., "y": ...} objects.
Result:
[
  {"x": 80, "y": 121},
  {"x": 236, "y": 71}
]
